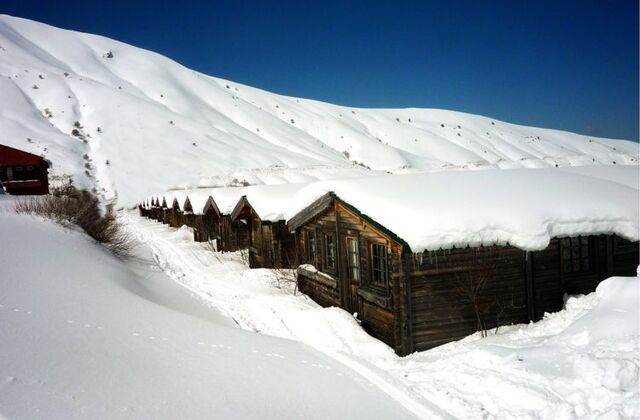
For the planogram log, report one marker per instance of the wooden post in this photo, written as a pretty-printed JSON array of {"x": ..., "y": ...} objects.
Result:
[
  {"x": 610, "y": 255},
  {"x": 343, "y": 284},
  {"x": 528, "y": 275}
]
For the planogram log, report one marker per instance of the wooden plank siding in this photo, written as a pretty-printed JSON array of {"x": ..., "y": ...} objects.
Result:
[
  {"x": 270, "y": 244},
  {"x": 459, "y": 291},
  {"x": 436, "y": 297},
  {"x": 624, "y": 257},
  {"x": 379, "y": 313},
  {"x": 420, "y": 300}
]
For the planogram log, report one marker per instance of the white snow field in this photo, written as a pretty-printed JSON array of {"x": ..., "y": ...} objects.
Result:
[
  {"x": 84, "y": 335},
  {"x": 580, "y": 363},
  {"x": 173, "y": 331},
  {"x": 146, "y": 124}
]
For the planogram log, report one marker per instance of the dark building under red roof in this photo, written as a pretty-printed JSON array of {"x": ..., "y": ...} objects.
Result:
[{"x": 23, "y": 173}]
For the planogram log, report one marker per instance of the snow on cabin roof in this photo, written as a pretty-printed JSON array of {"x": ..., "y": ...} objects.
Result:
[
  {"x": 522, "y": 207},
  {"x": 628, "y": 175},
  {"x": 179, "y": 195},
  {"x": 271, "y": 202},
  {"x": 224, "y": 198}
]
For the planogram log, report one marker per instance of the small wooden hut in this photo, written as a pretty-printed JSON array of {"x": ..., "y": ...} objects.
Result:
[
  {"x": 23, "y": 173},
  {"x": 270, "y": 243}
]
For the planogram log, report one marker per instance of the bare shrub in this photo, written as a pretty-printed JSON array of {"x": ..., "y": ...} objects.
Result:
[
  {"x": 285, "y": 279},
  {"x": 244, "y": 257},
  {"x": 66, "y": 205}
]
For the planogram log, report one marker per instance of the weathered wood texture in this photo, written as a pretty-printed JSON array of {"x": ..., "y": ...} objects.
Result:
[
  {"x": 436, "y": 297},
  {"x": 457, "y": 292},
  {"x": 380, "y": 314}
]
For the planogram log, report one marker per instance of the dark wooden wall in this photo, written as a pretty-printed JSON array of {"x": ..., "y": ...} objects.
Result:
[
  {"x": 451, "y": 291},
  {"x": 436, "y": 297},
  {"x": 377, "y": 309}
]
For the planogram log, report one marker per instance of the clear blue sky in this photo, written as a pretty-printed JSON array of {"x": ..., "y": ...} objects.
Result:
[{"x": 570, "y": 65}]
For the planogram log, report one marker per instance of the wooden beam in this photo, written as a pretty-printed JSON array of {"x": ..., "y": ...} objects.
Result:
[{"x": 528, "y": 275}]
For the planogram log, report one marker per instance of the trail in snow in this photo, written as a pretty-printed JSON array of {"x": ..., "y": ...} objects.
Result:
[
  {"x": 549, "y": 370},
  {"x": 85, "y": 336}
]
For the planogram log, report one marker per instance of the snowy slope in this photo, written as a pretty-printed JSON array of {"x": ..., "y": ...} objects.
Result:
[
  {"x": 580, "y": 363},
  {"x": 85, "y": 336},
  {"x": 146, "y": 124}
]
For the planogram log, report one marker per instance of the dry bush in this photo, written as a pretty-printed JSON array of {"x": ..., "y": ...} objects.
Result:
[{"x": 67, "y": 205}]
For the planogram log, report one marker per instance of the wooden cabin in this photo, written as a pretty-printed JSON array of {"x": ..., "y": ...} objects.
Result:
[
  {"x": 164, "y": 212},
  {"x": 270, "y": 243},
  {"x": 206, "y": 225},
  {"x": 155, "y": 211},
  {"x": 174, "y": 214},
  {"x": 414, "y": 301},
  {"x": 23, "y": 173}
]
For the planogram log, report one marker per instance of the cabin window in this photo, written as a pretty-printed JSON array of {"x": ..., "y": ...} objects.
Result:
[
  {"x": 18, "y": 168},
  {"x": 330, "y": 251},
  {"x": 29, "y": 168},
  {"x": 576, "y": 254},
  {"x": 353, "y": 259},
  {"x": 379, "y": 264},
  {"x": 311, "y": 245}
]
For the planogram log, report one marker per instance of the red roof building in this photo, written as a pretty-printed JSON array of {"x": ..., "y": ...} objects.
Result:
[{"x": 23, "y": 173}]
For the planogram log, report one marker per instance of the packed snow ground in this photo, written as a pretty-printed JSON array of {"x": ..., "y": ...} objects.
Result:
[
  {"x": 143, "y": 124},
  {"x": 85, "y": 335},
  {"x": 582, "y": 362}
]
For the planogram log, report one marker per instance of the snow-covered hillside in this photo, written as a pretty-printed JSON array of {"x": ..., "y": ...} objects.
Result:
[{"x": 129, "y": 123}]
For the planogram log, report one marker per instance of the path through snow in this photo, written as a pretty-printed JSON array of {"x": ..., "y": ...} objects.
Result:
[
  {"x": 583, "y": 362},
  {"x": 83, "y": 335}
]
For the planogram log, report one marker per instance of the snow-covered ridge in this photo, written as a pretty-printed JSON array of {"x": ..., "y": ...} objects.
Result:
[{"x": 129, "y": 123}]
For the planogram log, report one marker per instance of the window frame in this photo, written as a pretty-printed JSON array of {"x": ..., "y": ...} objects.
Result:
[
  {"x": 326, "y": 252},
  {"x": 574, "y": 252},
  {"x": 381, "y": 281},
  {"x": 311, "y": 245},
  {"x": 349, "y": 253}
]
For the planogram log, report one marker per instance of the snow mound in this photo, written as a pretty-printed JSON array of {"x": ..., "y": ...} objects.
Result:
[{"x": 582, "y": 362}]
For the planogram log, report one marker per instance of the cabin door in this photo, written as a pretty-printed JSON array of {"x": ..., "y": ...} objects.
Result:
[{"x": 351, "y": 273}]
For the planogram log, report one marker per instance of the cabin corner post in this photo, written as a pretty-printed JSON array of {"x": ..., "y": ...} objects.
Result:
[
  {"x": 528, "y": 275},
  {"x": 343, "y": 283},
  {"x": 610, "y": 267},
  {"x": 406, "y": 313}
]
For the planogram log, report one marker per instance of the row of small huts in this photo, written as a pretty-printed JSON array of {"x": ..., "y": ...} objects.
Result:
[{"x": 429, "y": 258}]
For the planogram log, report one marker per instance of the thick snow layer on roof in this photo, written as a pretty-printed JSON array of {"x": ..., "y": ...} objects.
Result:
[
  {"x": 624, "y": 174},
  {"x": 224, "y": 198},
  {"x": 271, "y": 202},
  {"x": 522, "y": 207},
  {"x": 179, "y": 195}
]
